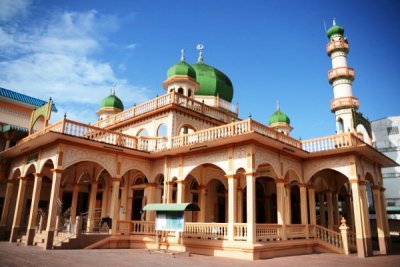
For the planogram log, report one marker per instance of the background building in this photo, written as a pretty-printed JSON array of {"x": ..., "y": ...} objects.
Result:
[{"x": 386, "y": 138}]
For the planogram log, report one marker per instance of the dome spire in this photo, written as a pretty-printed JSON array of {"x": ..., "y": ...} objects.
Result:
[
  {"x": 182, "y": 54},
  {"x": 277, "y": 105},
  {"x": 334, "y": 21},
  {"x": 200, "y": 48}
]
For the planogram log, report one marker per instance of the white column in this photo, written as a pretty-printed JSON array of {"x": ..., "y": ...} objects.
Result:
[
  {"x": 288, "y": 205},
  {"x": 202, "y": 216},
  {"x": 74, "y": 203},
  {"x": 379, "y": 219},
  {"x": 52, "y": 215},
  {"x": 6, "y": 207},
  {"x": 114, "y": 209},
  {"x": 239, "y": 205},
  {"x": 34, "y": 208},
  {"x": 303, "y": 204},
  {"x": 232, "y": 206},
  {"x": 251, "y": 207},
  {"x": 280, "y": 205},
  {"x": 18, "y": 209},
  {"x": 385, "y": 220},
  {"x": 321, "y": 197},
  {"x": 360, "y": 220},
  {"x": 311, "y": 200},
  {"x": 180, "y": 197},
  {"x": 92, "y": 206},
  {"x": 330, "y": 209}
]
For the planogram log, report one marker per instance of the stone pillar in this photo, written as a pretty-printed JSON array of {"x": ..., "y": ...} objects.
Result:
[
  {"x": 349, "y": 210},
  {"x": 104, "y": 199},
  {"x": 361, "y": 220},
  {"x": 239, "y": 205},
  {"x": 303, "y": 204},
  {"x": 335, "y": 203},
  {"x": 385, "y": 222},
  {"x": 280, "y": 203},
  {"x": 114, "y": 210},
  {"x": 170, "y": 190},
  {"x": 6, "y": 208},
  {"x": 151, "y": 198},
  {"x": 343, "y": 231},
  {"x": 321, "y": 198},
  {"x": 311, "y": 200},
  {"x": 330, "y": 209},
  {"x": 232, "y": 206},
  {"x": 202, "y": 216},
  {"x": 251, "y": 207},
  {"x": 34, "y": 208},
  {"x": 180, "y": 195},
  {"x": 92, "y": 206},
  {"x": 18, "y": 209},
  {"x": 74, "y": 203},
  {"x": 379, "y": 219},
  {"x": 52, "y": 215},
  {"x": 288, "y": 204}
]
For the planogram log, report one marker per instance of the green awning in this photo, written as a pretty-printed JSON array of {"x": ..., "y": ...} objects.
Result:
[
  {"x": 10, "y": 127},
  {"x": 172, "y": 207}
]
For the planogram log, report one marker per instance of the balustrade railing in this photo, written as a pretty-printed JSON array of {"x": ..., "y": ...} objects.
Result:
[
  {"x": 338, "y": 141},
  {"x": 296, "y": 231},
  {"x": 136, "y": 227},
  {"x": 206, "y": 230},
  {"x": 331, "y": 237},
  {"x": 240, "y": 231},
  {"x": 268, "y": 232},
  {"x": 351, "y": 238}
]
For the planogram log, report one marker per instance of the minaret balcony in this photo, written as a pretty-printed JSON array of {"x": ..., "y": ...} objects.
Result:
[
  {"x": 344, "y": 102},
  {"x": 341, "y": 45},
  {"x": 341, "y": 72}
]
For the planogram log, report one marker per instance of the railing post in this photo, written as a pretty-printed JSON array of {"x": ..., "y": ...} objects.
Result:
[
  {"x": 78, "y": 226},
  {"x": 343, "y": 231},
  {"x": 57, "y": 225}
]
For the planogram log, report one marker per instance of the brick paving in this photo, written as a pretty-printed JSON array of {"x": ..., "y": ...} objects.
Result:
[{"x": 13, "y": 255}]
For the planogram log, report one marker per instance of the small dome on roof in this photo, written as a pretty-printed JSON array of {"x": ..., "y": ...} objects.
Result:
[
  {"x": 112, "y": 101},
  {"x": 335, "y": 29},
  {"x": 181, "y": 68},
  {"x": 279, "y": 116}
]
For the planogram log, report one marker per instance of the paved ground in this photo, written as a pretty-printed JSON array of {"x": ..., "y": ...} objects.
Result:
[{"x": 13, "y": 255}]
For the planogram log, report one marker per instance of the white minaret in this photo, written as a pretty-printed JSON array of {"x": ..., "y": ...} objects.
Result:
[{"x": 341, "y": 77}]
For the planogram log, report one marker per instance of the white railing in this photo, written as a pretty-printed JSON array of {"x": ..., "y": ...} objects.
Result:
[
  {"x": 240, "y": 231},
  {"x": 331, "y": 237},
  {"x": 136, "y": 227},
  {"x": 160, "y": 102},
  {"x": 206, "y": 230},
  {"x": 338, "y": 141},
  {"x": 268, "y": 232},
  {"x": 296, "y": 231}
]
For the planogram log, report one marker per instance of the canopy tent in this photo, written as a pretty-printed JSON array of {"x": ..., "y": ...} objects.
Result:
[{"x": 171, "y": 207}]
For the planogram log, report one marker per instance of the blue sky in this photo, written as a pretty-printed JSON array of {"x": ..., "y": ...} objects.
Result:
[{"x": 75, "y": 51}]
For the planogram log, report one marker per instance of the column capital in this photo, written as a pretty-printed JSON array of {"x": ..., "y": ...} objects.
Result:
[
  {"x": 22, "y": 178},
  {"x": 376, "y": 187},
  {"x": 312, "y": 187},
  {"x": 94, "y": 182},
  {"x": 57, "y": 170},
  {"x": 302, "y": 185},
  {"x": 280, "y": 181},
  {"x": 250, "y": 173},
  {"x": 382, "y": 189},
  {"x": 151, "y": 185},
  {"x": 230, "y": 176},
  {"x": 38, "y": 174},
  {"x": 10, "y": 181},
  {"x": 115, "y": 179},
  {"x": 180, "y": 181}
]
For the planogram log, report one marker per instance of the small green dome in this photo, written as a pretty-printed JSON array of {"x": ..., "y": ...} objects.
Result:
[
  {"x": 213, "y": 82},
  {"x": 279, "y": 116},
  {"x": 182, "y": 68},
  {"x": 112, "y": 101},
  {"x": 335, "y": 29}
]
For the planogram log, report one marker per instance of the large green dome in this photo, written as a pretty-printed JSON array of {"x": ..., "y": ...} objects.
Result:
[
  {"x": 213, "y": 82},
  {"x": 279, "y": 116},
  {"x": 182, "y": 68},
  {"x": 335, "y": 29},
  {"x": 112, "y": 101}
]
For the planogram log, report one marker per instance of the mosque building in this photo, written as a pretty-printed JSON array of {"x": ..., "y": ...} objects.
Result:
[{"x": 260, "y": 192}]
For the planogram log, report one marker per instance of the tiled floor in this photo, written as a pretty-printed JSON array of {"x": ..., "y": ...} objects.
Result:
[{"x": 13, "y": 255}]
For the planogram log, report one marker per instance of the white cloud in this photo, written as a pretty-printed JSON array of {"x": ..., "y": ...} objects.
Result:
[
  {"x": 131, "y": 46},
  {"x": 55, "y": 57},
  {"x": 11, "y": 8}
]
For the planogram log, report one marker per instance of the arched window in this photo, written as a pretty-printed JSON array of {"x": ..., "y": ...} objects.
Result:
[
  {"x": 180, "y": 90},
  {"x": 189, "y": 92},
  {"x": 142, "y": 132},
  {"x": 162, "y": 130},
  {"x": 339, "y": 126}
]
